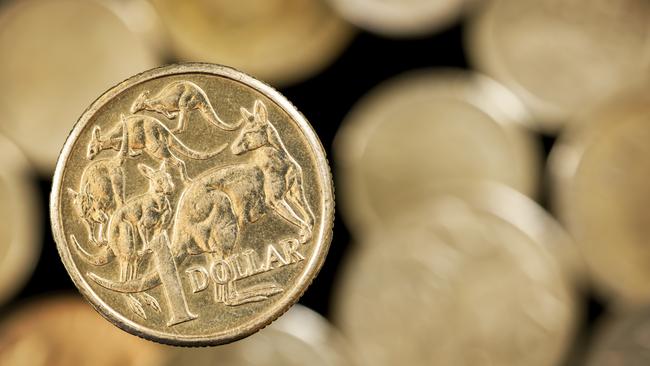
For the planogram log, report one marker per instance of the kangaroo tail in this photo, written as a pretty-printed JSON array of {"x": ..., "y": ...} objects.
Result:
[
  {"x": 103, "y": 256},
  {"x": 147, "y": 282},
  {"x": 209, "y": 113},
  {"x": 177, "y": 145}
]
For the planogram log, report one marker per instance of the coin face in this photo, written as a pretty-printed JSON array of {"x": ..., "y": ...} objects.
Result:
[
  {"x": 469, "y": 287},
  {"x": 600, "y": 174},
  {"x": 422, "y": 133},
  {"x": 300, "y": 337},
  {"x": 20, "y": 229},
  {"x": 192, "y": 204},
  {"x": 63, "y": 331},
  {"x": 57, "y": 56},
  {"x": 281, "y": 41},
  {"x": 562, "y": 56},
  {"x": 622, "y": 340},
  {"x": 399, "y": 18}
]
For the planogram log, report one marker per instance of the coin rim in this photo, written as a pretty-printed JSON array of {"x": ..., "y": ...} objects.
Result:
[{"x": 289, "y": 298}]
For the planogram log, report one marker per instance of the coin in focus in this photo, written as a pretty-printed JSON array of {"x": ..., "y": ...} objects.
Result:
[
  {"x": 562, "y": 56},
  {"x": 600, "y": 172},
  {"x": 281, "y": 41},
  {"x": 400, "y": 18},
  {"x": 468, "y": 285},
  {"x": 57, "y": 56},
  {"x": 622, "y": 340},
  {"x": 64, "y": 331},
  {"x": 20, "y": 220},
  {"x": 300, "y": 337},
  {"x": 422, "y": 133},
  {"x": 192, "y": 204}
]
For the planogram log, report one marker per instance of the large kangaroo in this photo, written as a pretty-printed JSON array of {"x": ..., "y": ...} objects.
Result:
[
  {"x": 283, "y": 186},
  {"x": 147, "y": 134},
  {"x": 177, "y": 99}
]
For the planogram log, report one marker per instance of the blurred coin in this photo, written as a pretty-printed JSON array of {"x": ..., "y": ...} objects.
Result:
[
  {"x": 399, "y": 18},
  {"x": 300, "y": 337},
  {"x": 418, "y": 135},
  {"x": 57, "y": 56},
  {"x": 281, "y": 41},
  {"x": 600, "y": 172},
  {"x": 20, "y": 220},
  {"x": 467, "y": 288},
  {"x": 562, "y": 56},
  {"x": 623, "y": 340},
  {"x": 65, "y": 331}
]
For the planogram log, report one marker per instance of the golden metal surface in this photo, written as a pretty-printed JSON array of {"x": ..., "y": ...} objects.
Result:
[
  {"x": 57, "y": 56},
  {"x": 600, "y": 171},
  {"x": 299, "y": 337},
  {"x": 622, "y": 340},
  {"x": 20, "y": 230},
  {"x": 192, "y": 204},
  {"x": 459, "y": 283},
  {"x": 562, "y": 56},
  {"x": 424, "y": 132},
  {"x": 65, "y": 331},
  {"x": 281, "y": 41}
]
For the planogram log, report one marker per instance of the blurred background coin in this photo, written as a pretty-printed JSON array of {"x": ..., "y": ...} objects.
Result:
[
  {"x": 600, "y": 171},
  {"x": 281, "y": 41},
  {"x": 64, "y": 331},
  {"x": 400, "y": 18},
  {"x": 562, "y": 56},
  {"x": 466, "y": 288},
  {"x": 419, "y": 134},
  {"x": 622, "y": 340},
  {"x": 300, "y": 337},
  {"x": 20, "y": 220},
  {"x": 57, "y": 56}
]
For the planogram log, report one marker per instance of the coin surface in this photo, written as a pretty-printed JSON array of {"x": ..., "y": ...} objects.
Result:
[
  {"x": 64, "y": 331},
  {"x": 20, "y": 220},
  {"x": 562, "y": 56},
  {"x": 192, "y": 204},
  {"x": 57, "y": 56},
  {"x": 281, "y": 41},
  {"x": 600, "y": 175},
  {"x": 399, "y": 18},
  {"x": 470, "y": 287},
  {"x": 300, "y": 337},
  {"x": 422, "y": 133},
  {"x": 622, "y": 340}
]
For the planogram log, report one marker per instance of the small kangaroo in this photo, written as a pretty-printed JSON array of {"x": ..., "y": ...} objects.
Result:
[
  {"x": 283, "y": 187},
  {"x": 147, "y": 134},
  {"x": 101, "y": 193},
  {"x": 177, "y": 99}
]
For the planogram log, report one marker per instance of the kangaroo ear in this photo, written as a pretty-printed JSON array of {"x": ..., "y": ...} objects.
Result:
[
  {"x": 245, "y": 113},
  {"x": 260, "y": 111},
  {"x": 73, "y": 193},
  {"x": 97, "y": 131},
  {"x": 145, "y": 170}
]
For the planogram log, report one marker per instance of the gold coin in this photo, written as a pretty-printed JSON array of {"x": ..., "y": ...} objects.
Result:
[
  {"x": 600, "y": 174},
  {"x": 20, "y": 220},
  {"x": 562, "y": 56},
  {"x": 64, "y": 331},
  {"x": 467, "y": 286},
  {"x": 622, "y": 340},
  {"x": 400, "y": 18},
  {"x": 422, "y": 133},
  {"x": 282, "y": 41},
  {"x": 56, "y": 57},
  {"x": 192, "y": 204},
  {"x": 300, "y": 337}
]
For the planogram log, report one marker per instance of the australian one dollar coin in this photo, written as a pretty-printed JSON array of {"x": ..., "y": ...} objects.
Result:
[{"x": 192, "y": 204}]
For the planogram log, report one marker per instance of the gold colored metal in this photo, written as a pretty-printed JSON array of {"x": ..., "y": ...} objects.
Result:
[
  {"x": 20, "y": 215},
  {"x": 600, "y": 171},
  {"x": 282, "y": 41},
  {"x": 460, "y": 282},
  {"x": 299, "y": 337},
  {"x": 622, "y": 340},
  {"x": 57, "y": 55},
  {"x": 422, "y": 134},
  {"x": 64, "y": 331},
  {"x": 562, "y": 56},
  {"x": 192, "y": 204}
]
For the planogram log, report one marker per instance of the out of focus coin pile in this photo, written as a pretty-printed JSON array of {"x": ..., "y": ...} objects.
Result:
[{"x": 492, "y": 171}]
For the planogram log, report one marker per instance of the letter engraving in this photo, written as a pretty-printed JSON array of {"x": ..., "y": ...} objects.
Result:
[{"x": 198, "y": 278}]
